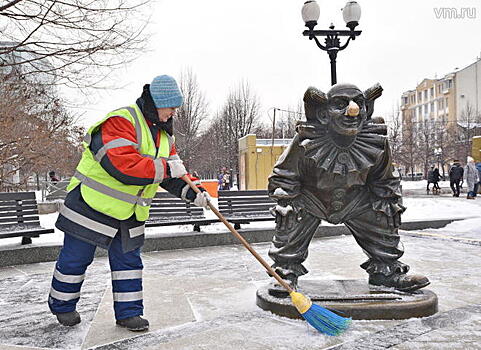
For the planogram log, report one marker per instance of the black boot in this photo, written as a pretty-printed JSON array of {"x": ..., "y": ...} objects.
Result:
[
  {"x": 278, "y": 291},
  {"x": 135, "y": 324},
  {"x": 399, "y": 281},
  {"x": 68, "y": 319}
]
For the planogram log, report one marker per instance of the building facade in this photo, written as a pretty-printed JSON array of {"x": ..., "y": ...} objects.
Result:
[
  {"x": 433, "y": 101},
  {"x": 440, "y": 117},
  {"x": 468, "y": 93},
  {"x": 256, "y": 160}
]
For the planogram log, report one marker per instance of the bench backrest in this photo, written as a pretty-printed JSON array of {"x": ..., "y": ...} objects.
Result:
[
  {"x": 165, "y": 206},
  {"x": 18, "y": 209},
  {"x": 245, "y": 203}
]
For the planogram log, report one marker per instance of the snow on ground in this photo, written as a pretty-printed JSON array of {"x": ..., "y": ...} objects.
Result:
[
  {"x": 440, "y": 208},
  {"x": 417, "y": 185},
  {"x": 469, "y": 228},
  {"x": 424, "y": 208}
]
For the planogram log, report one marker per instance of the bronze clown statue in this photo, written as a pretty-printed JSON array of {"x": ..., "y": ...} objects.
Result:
[{"x": 338, "y": 168}]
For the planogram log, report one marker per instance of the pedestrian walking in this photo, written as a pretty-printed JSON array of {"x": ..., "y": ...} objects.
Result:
[
  {"x": 478, "y": 185},
  {"x": 53, "y": 177},
  {"x": 455, "y": 176},
  {"x": 436, "y": 177},
  {"x": 226, "y": 181},
  {"x": 471, "y": 177},
  {"x": 127, "y": 155},
  {"x": 433, "y": 178}
]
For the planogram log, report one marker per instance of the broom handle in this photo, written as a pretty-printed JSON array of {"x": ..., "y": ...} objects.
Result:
[{"x": 240, "y": 238}]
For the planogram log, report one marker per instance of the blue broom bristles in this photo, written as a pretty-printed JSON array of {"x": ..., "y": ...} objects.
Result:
[{"x": 326, "y": 321}]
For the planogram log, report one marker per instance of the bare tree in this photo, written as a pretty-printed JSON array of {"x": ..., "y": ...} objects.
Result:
[
  {"x": 408, "y": 151},
  {"x": 76, "y": 43},
  {"x": 190, "y": 116},
  {"x": 288, "y": 118},
  {"x": 238, "y": 117},
  {"x": 395, "y": 134},
  {"x": 215, "y": 152},
  {"x": 425, "y": 133},
  {"x": 36, "y": 132}
]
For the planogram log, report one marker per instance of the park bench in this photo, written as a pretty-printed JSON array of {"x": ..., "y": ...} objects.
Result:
[
  {"x": 19, "y": 216},
  {"x": 168, "y": 210},
  {"x": 243, "y": 207}
]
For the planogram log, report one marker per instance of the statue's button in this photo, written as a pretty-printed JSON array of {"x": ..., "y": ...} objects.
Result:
[
  {"x": 338, "y": 194},
  {"x": 337, "y": 205},
  {"x": 334, "y": 218},
  {"x": 343, "y": 158}
]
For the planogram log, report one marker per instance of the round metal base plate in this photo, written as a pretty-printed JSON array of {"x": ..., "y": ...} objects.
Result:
[{"x": 352, "y": 298}]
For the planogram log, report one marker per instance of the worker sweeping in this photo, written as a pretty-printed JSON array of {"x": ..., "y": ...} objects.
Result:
[{"x": 127, "y": 155}]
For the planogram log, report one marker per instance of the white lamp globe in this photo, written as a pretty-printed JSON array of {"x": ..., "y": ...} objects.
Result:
[
  {"x": 351, "y": 14},
  {"x": 310, "y": 13}
]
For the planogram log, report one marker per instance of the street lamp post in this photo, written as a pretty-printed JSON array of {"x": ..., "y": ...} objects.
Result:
[
  {"x": 438, "y": 152},
  {"x": 351, "y": 14}
]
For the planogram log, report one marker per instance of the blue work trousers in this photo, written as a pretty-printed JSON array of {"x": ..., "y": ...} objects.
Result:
[{"x": 74, "y": 258}]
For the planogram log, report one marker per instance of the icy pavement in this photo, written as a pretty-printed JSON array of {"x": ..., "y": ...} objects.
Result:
[{"x": 205, "y": 299}]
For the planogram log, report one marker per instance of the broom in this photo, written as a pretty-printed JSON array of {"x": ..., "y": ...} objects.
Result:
[{"x": 322, "y": 319}]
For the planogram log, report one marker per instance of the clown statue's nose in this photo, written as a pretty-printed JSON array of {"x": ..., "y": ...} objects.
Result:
[{"x": 353, "y": 109}]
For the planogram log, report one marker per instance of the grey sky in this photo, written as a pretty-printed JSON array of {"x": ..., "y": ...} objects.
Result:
[{"x": 224, "y": 41}]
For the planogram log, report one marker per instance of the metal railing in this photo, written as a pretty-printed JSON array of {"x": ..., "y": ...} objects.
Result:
[{"x": 54, "y": 190}]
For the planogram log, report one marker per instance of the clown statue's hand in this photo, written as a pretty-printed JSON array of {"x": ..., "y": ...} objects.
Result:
[{"x": 285, "y": 212}]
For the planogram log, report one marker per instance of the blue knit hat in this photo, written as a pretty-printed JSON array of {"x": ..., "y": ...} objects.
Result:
[{"x": 165, "y": 92}]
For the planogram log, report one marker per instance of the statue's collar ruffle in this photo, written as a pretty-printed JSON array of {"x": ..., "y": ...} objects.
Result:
[{"x": 360, "y": 156}]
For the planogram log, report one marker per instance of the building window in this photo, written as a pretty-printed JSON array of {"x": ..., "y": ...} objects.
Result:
[
  {"x": 432, "y": 92},
  {"x": 405, "y": 100},
  {"x": 425, "y": 95},
  {"x": 420, "y": 97},
  {"x": 426, "y": 109},
  {"x": 446, "y": 102},
  {"x": 432, "y": 107},
  {"x": 441, "y": 104}
]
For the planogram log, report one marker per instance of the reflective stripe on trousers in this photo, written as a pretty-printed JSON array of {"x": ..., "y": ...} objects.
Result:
[{"x": 69, "y": 274}]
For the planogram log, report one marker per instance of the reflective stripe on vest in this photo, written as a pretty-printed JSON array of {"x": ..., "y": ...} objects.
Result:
[
  {"x": 113, "y": 144},
  {"x": 88, "y": 223},
  {"x": 138, "y": 127},
  {"x": 136, "y": 231},
  {"x": 89, "y": 182},
  {"x": 88, "y": 138},
  {"x": 108, "y": 195}
]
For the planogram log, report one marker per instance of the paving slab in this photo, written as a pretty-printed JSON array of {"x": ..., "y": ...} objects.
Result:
[
  {"x": 165, "y": 306},
  {"x": 204, "y": 298}
]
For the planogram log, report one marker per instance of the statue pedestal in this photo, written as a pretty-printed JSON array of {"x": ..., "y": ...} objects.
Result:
[{"x": 353, "y": 298}]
